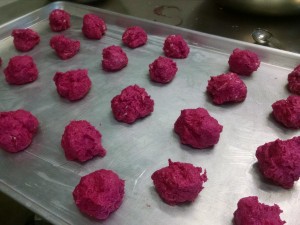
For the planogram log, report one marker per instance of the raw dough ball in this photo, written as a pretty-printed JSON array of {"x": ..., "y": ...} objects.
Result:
[
  {"x": 17, "y": 129},
  {"x": 93, "y": 26},
  {"x": 133, "y": 103},
  {"x": 179, "y": 182},
  {"x": 64, "y": 47},
  {"x": 176, "y": 47},
  {"x": 162, "y": 70},
  {"x": 279, "y": 161},
  {"x": 99, "y": 193},
  {"x": 287, "y": 111},
  {"x": 251, "y": 212},
  {"x": 134, "y": 37},
  {"x": 294, "y": 81},
  {"x": 25, "y": 39},
  {"x": 197, "y": 128},
  {"x": 114, "y": 58},
  {"x": 21, "y": 70},
  {"x": 243, "y": 62},
  {"x": 73, "y": 84},
  {"x": 227, "y": 88},
  {"x": 59, "y": 20},
  {"x": 81, "y": 141}
]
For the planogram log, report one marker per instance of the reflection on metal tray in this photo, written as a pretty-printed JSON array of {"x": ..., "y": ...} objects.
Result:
[{"x": 43, "y": 180}]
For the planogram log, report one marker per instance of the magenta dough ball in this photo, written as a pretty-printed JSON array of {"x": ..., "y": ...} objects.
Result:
[
  {"x": 197, "y": 128},
  {"x": 243, "y": 62},
  {"x": 65, "y": 48},
  {"x": 162, "y": 70},
  {"x": 134, "y": 37},
  {"x": 93, "y": 26},
  {"x": 294, "y": 81},
  {"x": 226, "y": 88},
  {"x": 251, "y": 212},
  {"x": 100, "y": 193},
  {"x": 81, "y": 141},
  {"x": 114, "y": 58},
  {"x": 59, "y": 20},
  {"x": 179, "y": 182},
  {"x": 279, "y": 161},
  {"x": 133, "y": 103},
  {"x": 73, "y": 85},
  {"x": 17, "y": 129},
  {"x": 25, "y": 39},
  {"x": 21, "y": 70},
  {"x": 176, "y": 47}
]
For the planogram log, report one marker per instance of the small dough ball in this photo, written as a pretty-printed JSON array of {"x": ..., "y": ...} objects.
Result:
[
  {"x": 197, "y": 128},
  {"x": 279, "y": 161},
  {"x": 243, "y": 62},
  {"x": 133, "y": 103},
  {"x": 93, "y": 26},
  {"x": 114, "y": 58},
  {"x": 134, "y": 37},
  {"x": 294, "y": 81},
  {"x": 162, "y": 70},
  {"x": 59, "y": 20},
  {"x": 81, "y": 141},
  {"x": 287, "y": 112},
  {"x": 176, "y": 47},
  {"x": 179, "y": 182},
  {"x": 17, "y": 129},
  {"x": 251, "y": 212},
  {"x": 21, "y": 70},
  {"x": 99, "y": 194},
  {"x": 25, "y": 39},
  {"x": 65, "y": 48},
  {"x": 73, "y": 85},
  {"x": 226, "y": 88}
]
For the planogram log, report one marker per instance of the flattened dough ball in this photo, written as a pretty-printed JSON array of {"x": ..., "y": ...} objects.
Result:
[
  {"x": 93, "y": 26},
  {"x": 133, "y": 103},
  {"x": 294, "y": 81},
  {"x": 25, "y": 39},
  {"x": 17, "y": 129},
  {"x": 197, "y": 128},
  {"x": 279, "y": 161},
  {"x": 21, "y": 70},
  {"x": 134, "y": 37},
  {"x": 100, "y": 193},
  {"x": 179, "y": 182},
  {"x": 81, "y": 141},
  {"x": 64, "y": 47},
  {"x": 114, "y": 58},
  {"x": 251, "y": 212},
  {"x": 59, "y": 20},
  {"x": 162, "y": 70},
  {"x": 176, "y": 47}
]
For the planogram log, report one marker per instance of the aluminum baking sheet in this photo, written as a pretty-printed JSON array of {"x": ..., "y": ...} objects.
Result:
[{"x": 43, "y": 180}]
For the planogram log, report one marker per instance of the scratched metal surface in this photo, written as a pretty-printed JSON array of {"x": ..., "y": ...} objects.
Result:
[{"x": 43, "y": 180}]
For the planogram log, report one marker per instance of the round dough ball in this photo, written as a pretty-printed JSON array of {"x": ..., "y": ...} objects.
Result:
[
  {"x": 93, "y": 26},
  {"x": 226, "y": 88},
  {"x": 134, "y": 37},
  {"x": 197, "y": 128},
  {"x": 133, "y": 103},
  {"x": 114, "y": 58},
  {"x": 294, "y": 81},
  {"x": 81, "y": 141},
  {"x": 17, "y": 129},
  {"x": 65, "y": 48},
  {"x": 59, "y": 20},
  {"x": 243, "y": 62},
  {"x": 287, "y": 112},
  {"x": 251, "y": 212},
  {"x": 73, "y": 85},
  {"x": 176, "y": 47},
  {"x": 279, "y": 161},
  {"x": 21, "y": 70},
  {"x": 100, "y": 193},
  {"x": 179, "y": 182},
  {"x": 162, "y": 70},
  {"x": 25, "y": 39}
]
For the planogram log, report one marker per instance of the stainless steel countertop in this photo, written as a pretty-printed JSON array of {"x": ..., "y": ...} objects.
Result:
[{"x": 200, "y": 15}]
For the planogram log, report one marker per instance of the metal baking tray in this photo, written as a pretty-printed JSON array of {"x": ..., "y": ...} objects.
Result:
[{"x": 43, "y": 180}]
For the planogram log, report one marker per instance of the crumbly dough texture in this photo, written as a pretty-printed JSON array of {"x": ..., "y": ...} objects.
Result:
[
  {"x": 25, "y": 39},
  {"x": 93, "y": 26},
  {"x": 134, "y": 37},
  {"x": 99, "y": 194},
  {"x": 162, "y": 70},
  {"x": 64, "y": 47},
  {"x": 294, "y": 81},
  {"x": 17, "y": 129},
  {"x": 279, "y": 161},
  {"x": 114, "y": 58},
  {"x": 59, "y": 20},
  {"x": 176, "y": 47}
]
